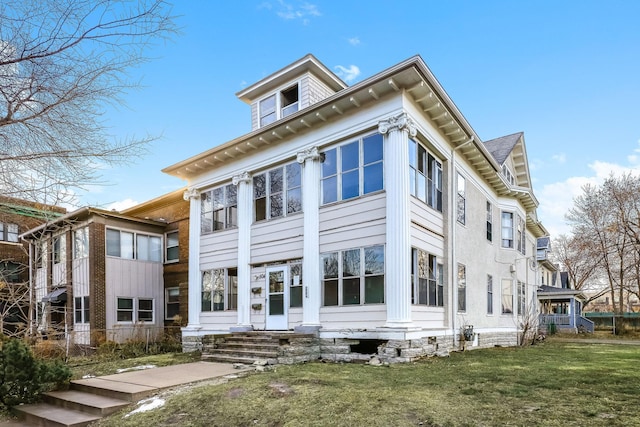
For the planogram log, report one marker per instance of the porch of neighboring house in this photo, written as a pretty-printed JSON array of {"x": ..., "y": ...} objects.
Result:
[{"x": 561, "y": 309}]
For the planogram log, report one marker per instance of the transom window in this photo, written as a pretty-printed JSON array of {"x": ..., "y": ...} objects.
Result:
[
  {"x": 278, "y": 192},
  {"x": 353, "y": 169},
  {"x": 220, "y": 289},
  {"x": 219, "y": 208},
  {"x": 143, "y": 247},
  {"x": 427, "y": 277},
  {"x": 9, "y": 232},
  {"x": 425, "y": 175},
  {"x": 353, "y": 277}
]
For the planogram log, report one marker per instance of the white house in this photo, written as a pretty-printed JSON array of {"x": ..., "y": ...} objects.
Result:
[{"x": 371, "y": 212}]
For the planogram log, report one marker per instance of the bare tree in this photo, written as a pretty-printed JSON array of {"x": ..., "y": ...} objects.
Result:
[
  {"x": 606, "y": 220},
  {"x": 61, "y": 63}
]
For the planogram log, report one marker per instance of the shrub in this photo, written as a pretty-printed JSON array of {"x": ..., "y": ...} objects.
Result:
[{"x": 23, "y": 376}]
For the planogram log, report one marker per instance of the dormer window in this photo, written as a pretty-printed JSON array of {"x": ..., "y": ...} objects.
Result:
[
  {"x": 508, "y": 175},
  {"x": 279, "y": 105}
]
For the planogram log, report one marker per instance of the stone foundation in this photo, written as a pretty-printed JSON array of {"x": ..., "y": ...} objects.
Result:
[{"x": 191, "y": 343}]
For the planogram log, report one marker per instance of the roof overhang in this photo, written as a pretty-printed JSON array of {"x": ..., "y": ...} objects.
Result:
[{"x": 412, "y": 77}]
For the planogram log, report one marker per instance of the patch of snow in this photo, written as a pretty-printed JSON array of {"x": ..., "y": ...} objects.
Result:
[
  {"x": 147, "y": 405},
  {"x": 136, "y": 368},
  {"x": 84, "y": 377}
]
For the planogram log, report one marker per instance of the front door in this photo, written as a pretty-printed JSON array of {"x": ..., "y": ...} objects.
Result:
[{"x": 277, "y": 297}]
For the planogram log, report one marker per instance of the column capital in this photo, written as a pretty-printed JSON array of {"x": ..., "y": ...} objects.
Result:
[
  {"x": 191, "y": 193},
  {"x": 241, "y": 177},
  {"x": 399, "y": 122},
  {"x": 308, "y": 154}
]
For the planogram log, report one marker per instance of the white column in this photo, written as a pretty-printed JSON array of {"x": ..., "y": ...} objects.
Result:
[
  {"x": 310, "y": 160},
  {"x": 398, "y": 230},
  {"x": 245, "y": 203},
  {"x": 195, "y": 304}
]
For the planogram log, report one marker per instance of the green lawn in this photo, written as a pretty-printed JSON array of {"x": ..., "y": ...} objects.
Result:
[{"x": 553, "y": 384}]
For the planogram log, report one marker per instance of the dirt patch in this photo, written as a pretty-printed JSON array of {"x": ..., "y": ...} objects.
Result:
[{"x": 280, "y": 389}]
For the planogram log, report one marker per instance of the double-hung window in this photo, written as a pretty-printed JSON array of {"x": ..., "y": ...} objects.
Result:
[
  {"x": 353, "y": 169},
  {"x": 353, "y": 277},
  {"x": 507, "y": 229},
  {"x": 59, "y": 249},
  {"x": 220, "y": 289},
  {"x": 171, "y": 303},
  {"x": 279, "y": 105},
  {"x": 425, "y": 175},
  {"x": 521, "y": 298},
  {"x": 489, "y": 222},
  {"x": 461, "y": 201},
  {"x": 489, "y": 294},
  {"x": 219, "y": 208},
  {"x": 9, "y": 232},
  {"x": 427, "y": 279},
  {"x": 277, "y": 192},
  {"x": 462, "y": 288},
  {"x": 507, "y": 296},
  {"x": 521, "y": 236},
  {"x": 81, "y": 309},
  {"x": 172, "y": 247},
  {"x": 81, "y": 243},
  {"x": 295, "y": 288}
]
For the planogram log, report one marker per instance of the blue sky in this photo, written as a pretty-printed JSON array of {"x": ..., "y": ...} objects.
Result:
[{"x": 566, "y": 73}]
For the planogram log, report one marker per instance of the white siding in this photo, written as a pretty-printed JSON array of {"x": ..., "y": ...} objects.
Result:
[
  {"x": 219, "y": 249},
  {"x": 352, "y": 224},
  {"x": 276, "y": 240},
  {"x": 428, "y": 317},
  {"x": 80, "y": 269},
  {"x": 353, "y": 317},
  {"x": 59, "y": 275},
  {"x": 132, "y": 279}
]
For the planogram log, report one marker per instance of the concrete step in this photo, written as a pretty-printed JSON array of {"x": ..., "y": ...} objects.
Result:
[
  {"x": 116, "y": 390},
  {"x": 48, "y": 415},
  {"x": 245, "y": 352},
  {"x": 220, "y": 358},
  {"x": 86, "y": 402}
]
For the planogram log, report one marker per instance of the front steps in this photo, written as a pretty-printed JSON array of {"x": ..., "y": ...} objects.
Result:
[
  {"x": 260, "y": 347},
  {"x": 74, "y": 407}
]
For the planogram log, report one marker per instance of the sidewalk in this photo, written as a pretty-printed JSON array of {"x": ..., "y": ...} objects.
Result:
[{"x": 148, "y": 381}]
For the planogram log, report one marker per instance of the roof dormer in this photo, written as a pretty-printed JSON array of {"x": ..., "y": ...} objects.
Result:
[{"x": 289, "y": 90}]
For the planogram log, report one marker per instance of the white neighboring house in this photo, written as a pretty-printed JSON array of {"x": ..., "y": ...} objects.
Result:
[{"x": 370, "y": 212}]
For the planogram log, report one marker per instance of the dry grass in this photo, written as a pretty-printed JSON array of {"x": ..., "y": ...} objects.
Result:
[{"x": 553, "y": 384}]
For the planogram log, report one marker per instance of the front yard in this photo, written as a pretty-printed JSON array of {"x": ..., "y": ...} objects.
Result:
[{"x": 553, "y": 384}]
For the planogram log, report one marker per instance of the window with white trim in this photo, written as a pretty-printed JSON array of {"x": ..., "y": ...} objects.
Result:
[
  {"x": 508, "y": 175},
  {"x": 462, "y": 288},
  {"x": 353, "y": 277},
  {"x": 295, "y": 288},
  {"x": 507, "y": 296},
  {"x": 171, "y": 303},
  {"x": 131, "y": 310},
  {"x": 427, "y": 279},
  {"x": 128, "y": 245},
  {"x": 521, "y": 298},
  {"x": 425, "y": 175},
  {"x": 461, "y": 202},
  {"x": 521, "y": 236},
  {"x": 220, "y": 289},
  {"x": 81, "y": 243},
  {"x": 489, "y": 222},
  {"x": 59, "y": 249},
  {"x": 172, "y": 247},
  {"x": 9, "y": 232},
  {"x": 353, "y": 169},
  {"x": 507, "y": 229},
  {"x": 489, "y": 294},
  {"x": 278, "y": 105},
  {"x": 81, "y": 309},
  {"x": 219, "y": 208},
  {"x": 278, "y": 192}
]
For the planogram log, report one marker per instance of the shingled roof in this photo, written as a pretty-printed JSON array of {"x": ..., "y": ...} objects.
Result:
[{"x": 500, "y": 148}]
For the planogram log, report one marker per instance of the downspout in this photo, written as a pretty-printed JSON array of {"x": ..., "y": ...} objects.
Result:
[{"x": 452, "y": 235}]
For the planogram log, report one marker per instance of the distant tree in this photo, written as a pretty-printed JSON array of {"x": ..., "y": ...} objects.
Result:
[
  {"x": 61, "y": 63},
  {"x": 606, "y": 228}
]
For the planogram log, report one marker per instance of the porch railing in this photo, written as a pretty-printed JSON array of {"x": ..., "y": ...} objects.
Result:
[
  {"x": 585, "y": 323},
  {"x": 560, "y": 320}
]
